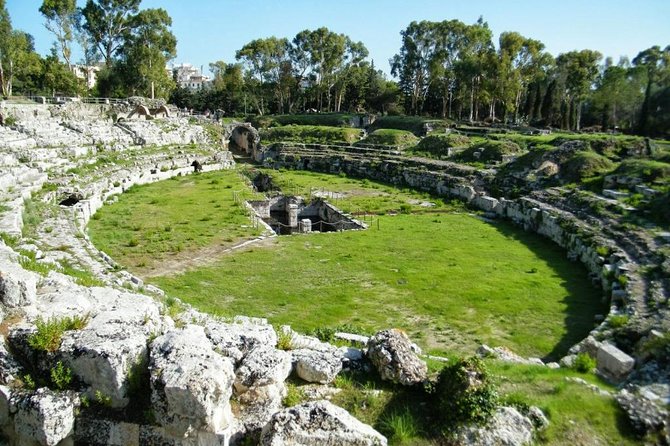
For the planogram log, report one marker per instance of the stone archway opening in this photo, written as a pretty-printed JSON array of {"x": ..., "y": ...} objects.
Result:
[{"x": 242, "y": 139}]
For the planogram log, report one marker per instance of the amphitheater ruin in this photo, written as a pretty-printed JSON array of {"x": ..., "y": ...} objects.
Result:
[{"x": 214, "y": 381}]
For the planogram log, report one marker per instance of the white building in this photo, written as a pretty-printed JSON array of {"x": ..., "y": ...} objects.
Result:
[
  {"x": 88, "y": 73},
  {"x": 187, "y": 76}
]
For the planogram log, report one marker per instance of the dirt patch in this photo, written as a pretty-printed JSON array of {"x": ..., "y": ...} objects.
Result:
[{"x": 199, "y": 258}]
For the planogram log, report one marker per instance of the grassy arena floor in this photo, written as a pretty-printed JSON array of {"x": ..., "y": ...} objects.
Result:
[{"x": 449, "y": 279}]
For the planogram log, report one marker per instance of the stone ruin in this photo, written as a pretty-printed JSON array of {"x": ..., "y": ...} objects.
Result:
[
  {"x": 288, "y": 215},
  {"x": 140, "y": 376}
]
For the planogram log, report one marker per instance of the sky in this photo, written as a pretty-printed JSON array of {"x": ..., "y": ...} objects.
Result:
[{"x": 212, "y": 30}]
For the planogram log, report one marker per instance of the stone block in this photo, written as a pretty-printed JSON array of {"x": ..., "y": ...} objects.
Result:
[{"x": 613, "y": 362}]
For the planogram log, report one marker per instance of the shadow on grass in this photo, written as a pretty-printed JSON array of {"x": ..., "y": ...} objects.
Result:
[{"x": 583, "y": 301}]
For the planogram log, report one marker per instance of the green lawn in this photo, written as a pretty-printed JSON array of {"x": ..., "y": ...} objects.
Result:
[{"x": 449, "y": 279}]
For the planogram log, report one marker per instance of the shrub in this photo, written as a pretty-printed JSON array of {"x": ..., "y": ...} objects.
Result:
[
  {"x": 464, "y": 393},
  {"x": 405, "y": 208},
  {"x": 584, "y": 363},
  {"x": 584, "y": 165},
  {"x": 61, "y": 376},
  {"x": 618, "y": 320},
  {"x": 50, "y": 332}
]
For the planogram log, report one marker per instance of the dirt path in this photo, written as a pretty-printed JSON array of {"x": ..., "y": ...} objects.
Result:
[{"x": 194, "y": 259}]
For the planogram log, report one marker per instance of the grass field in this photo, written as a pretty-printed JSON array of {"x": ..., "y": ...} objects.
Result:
[{"x": 449, "y": 279}]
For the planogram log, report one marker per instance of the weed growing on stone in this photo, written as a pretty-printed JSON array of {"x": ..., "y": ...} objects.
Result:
[
  {"x": 294, "y": 395},
  {"x": 50, "y": 332},
  {"x": 61, "y": 376}
]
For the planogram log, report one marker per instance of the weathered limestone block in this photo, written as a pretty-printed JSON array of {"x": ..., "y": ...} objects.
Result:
[
  {"x": 6, "y": 405},
  {"x": 317, "y": 366},
  {"x": 391, "y": 353},
  {"x": 485, "y": 203},
  {"x": 259, "y": 385},
  {"x": 318, "y": 423},
  {"x": 113, "y": 343},
  {"x": 9, "y": 367},
  {"x": 17, "y": 286},
  {"x": 507, "y": 427},
  {"x": 646, "y": 414},
  {"x": 191, "y": 384},
  {"x": 507, "y": 355},
  {"x": 613, "y": 362},
  {"x": 236, "y": 339},
  {"x": 45, "y": 416},
  {"x": 95, "y": 432},
  {"x": 263, "y": 366}
]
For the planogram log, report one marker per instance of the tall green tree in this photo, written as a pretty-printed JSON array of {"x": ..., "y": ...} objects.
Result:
[
  {"x": 148, "y": 47},
  {"x": 61, "y": 19},
  {"x": 655, "y": 62},
  {"x": 412, "y": 65},
  {"x": 265, "y": 60},
  {"x": 18, "y": 60},
  {"x": 108, "y": 23},
  {"x": 578, "y": 71}
]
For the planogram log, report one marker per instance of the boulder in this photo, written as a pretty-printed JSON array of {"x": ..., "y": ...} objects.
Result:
[
  {"x": 45, "y": 417},
  {"x": 236, "y": 339},
  {"x": 317, "y": 366},
  {"x": 507, "y": 427},
  {"x": 114, "y": 342},
  {"x": 318, "y": 423},
  {"x": 191, "y": 384},
  {"x": 17, "y": 286},
  {"x": 263, "y": 366},
  {"x": 259, "y": 385},
  {"x": 390, "y": 351}
]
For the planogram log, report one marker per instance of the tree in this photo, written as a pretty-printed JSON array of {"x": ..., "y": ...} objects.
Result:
[
  {"x": 56, "y": 77},
  {"x": 265, "y": 60},
  {"x": 61, "y": 16},
  {"x": 654, "y": 62},
  {"x": 18, "y": 60},
  {"x": 520, "y": 62},
  {"x": 578, "y": 70},
  {"x": 148, "y": 47},
  {"x": 412, "y": 64},
  {"x": 108, "y": 23}
]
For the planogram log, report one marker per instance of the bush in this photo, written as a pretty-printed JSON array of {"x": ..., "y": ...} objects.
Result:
[
  {"x": 50, "y": 332},
  {"x": 464, "y": 393},
  {"x": 584, "y": 363},
  {"x": 618, "y": 320},
  {"x": 61, "y": 376}
]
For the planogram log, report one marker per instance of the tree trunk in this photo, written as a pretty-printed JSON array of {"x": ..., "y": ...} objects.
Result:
[{"x": 472, "y": 98}]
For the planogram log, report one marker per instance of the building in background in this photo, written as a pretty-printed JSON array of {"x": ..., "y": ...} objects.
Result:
[
  {"x": 189, "y": 77},
  {"x": 87, "y": 73}
]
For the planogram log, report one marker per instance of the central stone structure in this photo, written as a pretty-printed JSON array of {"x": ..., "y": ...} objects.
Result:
[{"x": 288, "y": 215}]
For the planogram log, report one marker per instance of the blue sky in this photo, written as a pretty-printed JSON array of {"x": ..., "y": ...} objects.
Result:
[{"x": 211, "y": 30}]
